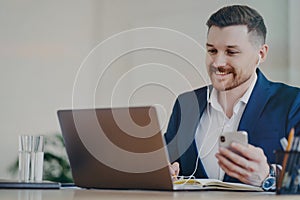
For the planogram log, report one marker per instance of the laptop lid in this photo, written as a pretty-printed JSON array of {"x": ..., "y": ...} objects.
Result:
[{"x": 116, "y": 148}]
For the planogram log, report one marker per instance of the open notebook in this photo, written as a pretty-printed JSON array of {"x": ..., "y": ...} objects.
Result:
[
  {"x": 212, "y": 184},
  {"x": 122, "y": 148}
]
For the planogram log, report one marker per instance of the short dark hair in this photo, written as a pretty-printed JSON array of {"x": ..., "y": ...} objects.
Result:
[{"x": 240, "y": 15}]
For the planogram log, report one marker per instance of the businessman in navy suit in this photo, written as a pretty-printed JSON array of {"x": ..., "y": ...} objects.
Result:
[{"x": 240, "y": 98}]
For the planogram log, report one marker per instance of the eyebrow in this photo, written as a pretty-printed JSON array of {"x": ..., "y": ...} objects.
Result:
[{"x": 228, "y": 46}]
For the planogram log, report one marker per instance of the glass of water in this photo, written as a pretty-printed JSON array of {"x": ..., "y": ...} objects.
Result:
[{"x": 31, "y": 158}]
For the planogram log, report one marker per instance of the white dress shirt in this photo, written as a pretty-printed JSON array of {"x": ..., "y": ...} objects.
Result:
[{"x": 212, "y": 124}]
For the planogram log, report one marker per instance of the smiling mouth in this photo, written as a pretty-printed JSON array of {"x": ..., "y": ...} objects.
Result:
[{"x": 221, "y": 71}]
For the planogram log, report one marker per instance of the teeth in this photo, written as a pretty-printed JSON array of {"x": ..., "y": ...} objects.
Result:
[{"x": 220, "y": 73}]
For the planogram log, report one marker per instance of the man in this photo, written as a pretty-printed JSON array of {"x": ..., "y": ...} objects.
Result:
[{"x": 240, "y": 98}]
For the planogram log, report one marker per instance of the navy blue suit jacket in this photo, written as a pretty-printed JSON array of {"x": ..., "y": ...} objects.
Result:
[{"x": 272, "y": 110}]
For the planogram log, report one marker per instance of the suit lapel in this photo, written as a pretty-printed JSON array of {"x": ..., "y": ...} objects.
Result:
[{"x": 258, "y": 99}]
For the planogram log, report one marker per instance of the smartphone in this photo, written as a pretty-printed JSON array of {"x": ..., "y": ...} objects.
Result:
[{"x": 237, "y": 136}]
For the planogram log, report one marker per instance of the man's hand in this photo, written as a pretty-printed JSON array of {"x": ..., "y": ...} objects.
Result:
[
  {"x": 249, "y": 167},
  {"x": 174, "y": 170}
]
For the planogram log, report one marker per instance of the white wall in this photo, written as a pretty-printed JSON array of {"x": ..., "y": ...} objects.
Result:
[
  {"x": 43, "y": 44},
  {"x": 294, "y": 44}
]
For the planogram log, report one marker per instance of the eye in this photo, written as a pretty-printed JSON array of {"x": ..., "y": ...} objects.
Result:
[
  {"x": 232, "y": 52},
  {"x": 211, "y": 51}
]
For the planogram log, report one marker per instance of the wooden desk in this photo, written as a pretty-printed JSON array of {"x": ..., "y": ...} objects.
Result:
[{"x": 67, "y": 194}]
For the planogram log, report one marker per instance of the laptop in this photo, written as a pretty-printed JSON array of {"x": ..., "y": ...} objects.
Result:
[
  {"x": 116, "y": 148},
  {"x": 123, "y": 148}
]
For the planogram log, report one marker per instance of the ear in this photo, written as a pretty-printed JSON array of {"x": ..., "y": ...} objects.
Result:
[{"x": 263, "y": 52}]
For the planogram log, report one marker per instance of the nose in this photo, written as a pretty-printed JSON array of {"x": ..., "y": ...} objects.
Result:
[{"x": 218, "y": 60}]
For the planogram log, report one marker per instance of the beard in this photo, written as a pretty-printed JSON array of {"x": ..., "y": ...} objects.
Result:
[{"x": 227, "y": 83}]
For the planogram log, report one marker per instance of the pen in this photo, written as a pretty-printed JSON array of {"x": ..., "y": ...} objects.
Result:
[
  {"x": 290, "y": 139},
  {"x": 290, "y": 165},
  {"x": 293, "y": 166},
  {"x": 283, "y": 142},
  {"x": 285, "y": 158}
]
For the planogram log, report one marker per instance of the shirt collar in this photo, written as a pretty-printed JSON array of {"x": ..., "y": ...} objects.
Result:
[
  {"x": 213, "y": 99},
  {"x": 245, "y": 98}
]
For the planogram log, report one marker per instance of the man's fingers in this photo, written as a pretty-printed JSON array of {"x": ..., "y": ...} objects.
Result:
[
  {"x": 234, "y": 158},
  {"x": 231, "y": 168},
  {"x": 229, "y": 172},
  {"x": 251, "y": 152},
  {"x": 174, "y": 169}
]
